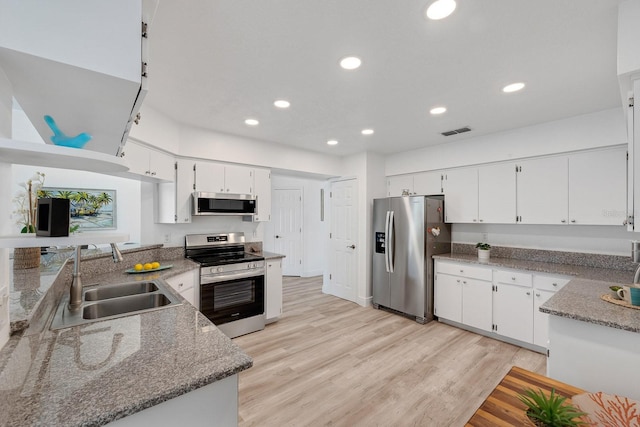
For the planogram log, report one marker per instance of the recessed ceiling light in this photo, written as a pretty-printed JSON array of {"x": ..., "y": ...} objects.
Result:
[
  {"x": 282, "y": 103},
  {"x": 251, "y": 122},
  {"x": 437, "y": 110},
  {"x": 350, "y": 63},
  {"x": 367, "y": 131},
  {"x": 440, "y": 9},
  {"x": 513, "y": 87},
  {"x": 332, "y": 142}
]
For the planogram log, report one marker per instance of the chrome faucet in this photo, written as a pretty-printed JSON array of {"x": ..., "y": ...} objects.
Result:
[{"x": 75, "y": 292}]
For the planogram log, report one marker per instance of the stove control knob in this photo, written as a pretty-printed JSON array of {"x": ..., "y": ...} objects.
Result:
[{"x": 219, "y": 269}]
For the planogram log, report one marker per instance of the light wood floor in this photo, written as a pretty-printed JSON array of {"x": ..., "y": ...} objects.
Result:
[{"x": 328, "y": 361}]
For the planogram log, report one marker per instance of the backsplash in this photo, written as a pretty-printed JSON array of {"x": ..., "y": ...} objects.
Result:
[{"x": 573, "y": 258}]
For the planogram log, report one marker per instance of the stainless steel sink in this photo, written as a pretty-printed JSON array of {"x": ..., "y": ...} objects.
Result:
[
  {"x": 113, "y": 301},
  {"x": 129, "y": 304},
  {"x": 119, "y": 290}
]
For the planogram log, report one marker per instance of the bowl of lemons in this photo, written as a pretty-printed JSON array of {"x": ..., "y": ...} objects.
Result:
[{"x": 148, "y": 267}]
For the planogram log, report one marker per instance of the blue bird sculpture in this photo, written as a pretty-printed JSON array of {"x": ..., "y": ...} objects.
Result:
[{"x": 59, "y": 138}]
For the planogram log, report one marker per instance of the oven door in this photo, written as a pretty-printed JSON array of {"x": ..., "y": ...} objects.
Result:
[{"x": 232, "y": 299}]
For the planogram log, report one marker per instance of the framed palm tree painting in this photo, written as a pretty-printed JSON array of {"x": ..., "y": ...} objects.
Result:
[{"x": 91, "y": 210}]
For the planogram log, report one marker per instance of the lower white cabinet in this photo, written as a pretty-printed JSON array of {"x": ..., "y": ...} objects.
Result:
[
  {"x": 503, "y": 302},
  {"x": 273, "y": 290},
  {"x": 463, "y": 294},
  {"x": 186, "y": 284},
  {"x": 513, "y": 311}
]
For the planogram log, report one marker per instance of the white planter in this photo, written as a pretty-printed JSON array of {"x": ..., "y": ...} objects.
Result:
[{"x": 483, "y": 254}]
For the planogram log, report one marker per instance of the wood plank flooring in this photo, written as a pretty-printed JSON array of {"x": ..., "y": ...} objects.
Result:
[{"x": 330, "y": 362}]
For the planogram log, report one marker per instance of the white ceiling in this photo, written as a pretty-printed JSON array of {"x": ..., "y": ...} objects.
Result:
[{"x": 214, "y": 63}]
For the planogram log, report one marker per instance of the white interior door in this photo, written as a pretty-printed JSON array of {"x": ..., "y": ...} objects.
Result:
[
  {"x": 344, "y": 231},
  {"x": 287, "y": 229}
]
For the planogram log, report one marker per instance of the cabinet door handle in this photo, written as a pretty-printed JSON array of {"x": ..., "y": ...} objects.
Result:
[
  {"x": 513, "y": 278},
  {"x": 563, "y": 221},
  {"x": 180, "y": 285},
  {"x": 573, "y": 220},
  {"x": 537, "y": 294},
  {"x": 461, "y": 271},
  {"x": 528, "y": 293},
  {"x": 554, "y": 284}
]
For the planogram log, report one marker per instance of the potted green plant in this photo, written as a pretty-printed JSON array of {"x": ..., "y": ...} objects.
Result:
[
  {"x": 550, "y": 411},
  {"x": 483, "y": 251}
]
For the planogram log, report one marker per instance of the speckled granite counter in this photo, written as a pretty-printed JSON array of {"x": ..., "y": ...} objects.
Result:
[
  {"x": 99, "y": 372},
  {"x": 580, "y": 298},
  {"x": 272, "y": 255}
]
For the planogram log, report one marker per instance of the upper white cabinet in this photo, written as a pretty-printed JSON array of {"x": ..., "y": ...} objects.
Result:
[
  {"x": 219, "y": 178},
  {"x": 543, "y": 191},
  {"x": 148, "y": 162},
  {"x": 497, "y": 194},
  {"x": 461, "y": 195},
  {"x": 427, "y": 183},
  {"x": 597, "y": 180},
  {"x": 80, "y": 62},
  {"x": 399, "y": 185},
  {"x": 173, "y": 199},
  {"x": 262, "y": 191}
]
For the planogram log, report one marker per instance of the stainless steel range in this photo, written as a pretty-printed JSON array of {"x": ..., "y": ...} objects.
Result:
[{"x": 231, "y": 282}]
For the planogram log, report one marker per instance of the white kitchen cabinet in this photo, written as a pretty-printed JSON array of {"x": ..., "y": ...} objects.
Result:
[
  {"x": 82, "y": 68},
  {"x": 597, "y": 181},
  {"x": 463, "y": 294},
  {"x": 427, "y": 183},
  {"x": 448, "y": 297},
  {"x": 273, "y": 291},
  {"x": 544, "y": 286},
  {"x": 513, "y": 305},
  {"x": 399, "y": 184},
  {"x": 173, "y": 199},
  {"x": 262, "y": 192},
  {"x": 543, "y": 191},
  {"x": 213, "y": 177},
  {"x": 461, "y": 195},
  {"x": 477, "y": 303},
  {"x": 148, "y": 162},
  {"x": 497, "y": 194},
  {"x": 186, "y": 284}
]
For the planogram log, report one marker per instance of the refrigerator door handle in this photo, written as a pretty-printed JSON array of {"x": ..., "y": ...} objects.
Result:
[
  {"x": 386, "y": 241},
  {"x": 392, "y": 242}
]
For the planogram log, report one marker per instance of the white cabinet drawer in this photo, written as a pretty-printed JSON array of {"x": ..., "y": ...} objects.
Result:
[
  {"x": 512, "y": 277},
  {"x": 550, "y": 283},
  {"x": 465, "y": 270}
]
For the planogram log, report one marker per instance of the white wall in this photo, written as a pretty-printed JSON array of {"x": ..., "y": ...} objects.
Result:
[
  {"x": 314, "y": 231},
  {"x": 601, "y": 129},
  {"x": 127, "y": 192},
  {"x": 200, "y": 143}
]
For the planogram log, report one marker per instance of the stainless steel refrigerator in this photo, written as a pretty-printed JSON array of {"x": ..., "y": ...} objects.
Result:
[{"x": 407, "y": 231}]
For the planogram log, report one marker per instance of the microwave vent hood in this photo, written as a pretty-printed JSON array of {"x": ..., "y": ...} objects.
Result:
[{"x": 223, "y": 204}]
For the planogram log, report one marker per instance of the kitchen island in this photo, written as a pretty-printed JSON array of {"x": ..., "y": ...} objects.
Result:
[{"x": 159, "y": 367}]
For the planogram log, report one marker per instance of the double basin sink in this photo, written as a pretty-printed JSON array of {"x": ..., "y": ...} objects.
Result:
[{"x": 113, "y": 301}]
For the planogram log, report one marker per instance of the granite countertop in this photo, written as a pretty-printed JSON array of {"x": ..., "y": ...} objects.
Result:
[
  {"x": 103, "y": 371},
  {"x": 272, "y": 255},
  {"x": 580, "y": 298}
]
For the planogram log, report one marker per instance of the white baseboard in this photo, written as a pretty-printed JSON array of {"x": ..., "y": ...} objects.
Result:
[{"x": 365, "y": 301}]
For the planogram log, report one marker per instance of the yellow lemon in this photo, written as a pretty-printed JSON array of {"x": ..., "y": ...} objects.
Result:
[
  {"x": 155, "y": 264},
  {"x": 148, "y": 266},
  {"x": 138, "y": 267}
]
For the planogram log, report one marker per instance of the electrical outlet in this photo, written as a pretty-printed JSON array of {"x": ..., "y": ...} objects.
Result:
[
  {"x": 167, "y": 238},
  {"x": 485, "y": 237}
]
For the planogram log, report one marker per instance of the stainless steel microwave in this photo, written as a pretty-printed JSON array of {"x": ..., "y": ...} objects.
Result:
[{"x": 223, "y": 204}]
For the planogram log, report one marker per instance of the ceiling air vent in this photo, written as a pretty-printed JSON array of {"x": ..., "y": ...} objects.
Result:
[{"x": 456, "y": 131}]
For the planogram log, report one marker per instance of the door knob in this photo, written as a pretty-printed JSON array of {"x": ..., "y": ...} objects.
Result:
[{"x": 352, "y": 246}]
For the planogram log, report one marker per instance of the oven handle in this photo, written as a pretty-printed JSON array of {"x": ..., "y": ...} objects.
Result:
[{"x": 207, "y": 279}]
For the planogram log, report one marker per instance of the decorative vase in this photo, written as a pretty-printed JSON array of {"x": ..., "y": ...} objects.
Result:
[
  {"x": 483, "y": 254},
  {"x": 24, "y": 258}
]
